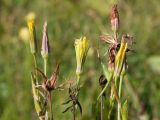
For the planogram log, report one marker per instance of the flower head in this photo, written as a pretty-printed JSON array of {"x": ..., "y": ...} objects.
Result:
[
  {"x": 121, "y": 55},
  {"x": 81, "y": 48},
  {"x": 114, "y": 19},
  {"x": 45, "y": 42},
  {"x": 32, "y": 33}
]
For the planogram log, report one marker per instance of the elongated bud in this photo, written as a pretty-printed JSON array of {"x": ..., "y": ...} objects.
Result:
[
  {"x": 81, "y": 48},
  {"x": 120, "y": 57},
  {"x": 45, "y": 42},
  {"x": 32, "y": 33},
  {"x": 114, "y": 19}
]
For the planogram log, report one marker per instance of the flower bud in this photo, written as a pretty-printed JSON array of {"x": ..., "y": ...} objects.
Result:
[
  {"x": 120, "y": 57},
  {"x": 32, "y": 33},
  {"x": 114, "y": 19},
  {"x": 45, "y": 42},
  {"x": 81, "y": 48}
]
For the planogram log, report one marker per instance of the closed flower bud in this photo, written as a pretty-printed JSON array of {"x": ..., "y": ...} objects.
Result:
[
  {"x": 81, "y": 48},
  {"x": 114, "y": 19},
  {"x": 32, "y": 33},
  {"x": 120, "y": 57},
  {"x": 45, "y": 42}
]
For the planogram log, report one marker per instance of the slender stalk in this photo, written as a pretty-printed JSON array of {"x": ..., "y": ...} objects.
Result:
[
  {"x": 78, "y": 78},
  {"x": 50, "y": 101},
  {"x": 119, "y": 114},
  {"x": 74, "y": 112},
  {"x": 120, "y": 85},
  {"x": 119, "y": 94},
  {"x": 35, "y": 65},
  {"x": 115, "y": 35},
  {"x": 45, "y": 66},
  {"x": 102, "y": 107}
]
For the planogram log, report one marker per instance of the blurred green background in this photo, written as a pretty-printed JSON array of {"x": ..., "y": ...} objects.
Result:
[{"x": 67, "y": 20}]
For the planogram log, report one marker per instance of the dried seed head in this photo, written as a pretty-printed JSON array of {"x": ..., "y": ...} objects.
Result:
[
  {"x": 50, "y": 84},
  {"x": 111, "y": 58},
  {"x": 81, "y": 48},
  {"x": 102, "y": 81},
  {"x": 114, "y": 19},
  {"x": 45, "y": 42}
]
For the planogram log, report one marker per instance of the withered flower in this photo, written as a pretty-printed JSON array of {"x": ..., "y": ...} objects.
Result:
[
  {"x": 114, "y": 47},
  {"x": 49, "y": 84},
  {"x": 114, "y": 19},
  {"x": 73, "y": 95},
  {"x": 113, "y": 43},
  {"x": 102, "y": 82},
  {"x": 45, "y": 42}
]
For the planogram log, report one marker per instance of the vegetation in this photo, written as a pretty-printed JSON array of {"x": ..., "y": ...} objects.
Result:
[{"x": 68, "y": 20}]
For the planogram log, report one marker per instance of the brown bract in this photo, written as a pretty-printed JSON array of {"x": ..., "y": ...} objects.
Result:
[{"x": 50, "y": 84}]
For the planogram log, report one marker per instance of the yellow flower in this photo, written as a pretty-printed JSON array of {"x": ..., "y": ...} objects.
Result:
[
  {"x": 32, "y": 33},
  {"x": 120, "y": 57},
  {"x": 81, "y": 48}
]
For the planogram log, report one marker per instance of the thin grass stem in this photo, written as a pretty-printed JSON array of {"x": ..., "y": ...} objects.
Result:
[
  {"x": 74, "y": 112},
  {"x": 102, "y": 107},
  {"x": 45, "y": 66},
  {"x": 119, "y": 94},
  {"x": 35, "y": 65}
]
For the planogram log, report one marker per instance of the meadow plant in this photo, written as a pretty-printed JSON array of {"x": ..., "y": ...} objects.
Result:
[
  {"x": 117, "y": 65},
  {"x": 112, "y": 80},
  {"x": 42, "y": 89}
]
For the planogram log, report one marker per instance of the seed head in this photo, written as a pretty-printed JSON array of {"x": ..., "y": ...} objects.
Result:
[
  {"x": 102, "y": 81},
  {"x": 114, "y": 19}
]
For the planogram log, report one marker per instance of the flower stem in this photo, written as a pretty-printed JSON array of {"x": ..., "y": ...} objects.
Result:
[
  {"x": 119, "y": 94},
  {"x": 74, "y": 112},
  {"x": 78, "y": 78},
  {"x": 50, "y": 100},
  {"x": 102, "y": 107},
  {"x": 35, "y": 65},
  {"x": 45, "y": 66}
]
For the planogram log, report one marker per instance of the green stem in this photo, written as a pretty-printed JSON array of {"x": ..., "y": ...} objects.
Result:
[
  {"x": 115, "y": 35},
  {"x": 78, "y": 78},
  {"x": 74, "y": 112},
  {"x": 45, "y": 66},
  {"x": 35, "y": 65},
  {"x": 50, "y": 100},
  {"x": 120, "y": 85},
  {"x": 119, "y": 94},
  {"x": 102, "y": 107}
]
